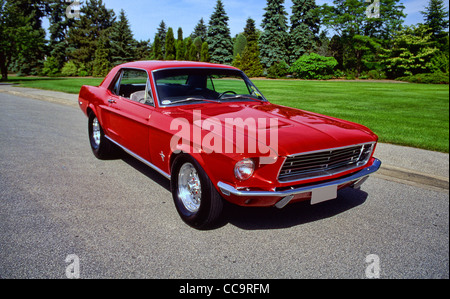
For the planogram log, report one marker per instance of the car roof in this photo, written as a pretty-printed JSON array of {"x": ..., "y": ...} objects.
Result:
[{"x": 162, "y": 64}]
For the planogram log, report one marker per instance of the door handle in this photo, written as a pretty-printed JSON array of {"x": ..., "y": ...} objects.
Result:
[{"x": 111, "y": 101}]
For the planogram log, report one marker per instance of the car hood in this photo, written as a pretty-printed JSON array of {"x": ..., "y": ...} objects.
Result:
[{"x": 293, "y": 131}]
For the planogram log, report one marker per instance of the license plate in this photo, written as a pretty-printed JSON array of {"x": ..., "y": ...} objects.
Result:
[{"x": 323, "y": 194}]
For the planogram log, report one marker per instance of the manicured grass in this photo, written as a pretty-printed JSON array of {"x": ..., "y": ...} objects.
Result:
[
  {"x": 415, "y": 115},
  {"x": 69, "y": 85}
]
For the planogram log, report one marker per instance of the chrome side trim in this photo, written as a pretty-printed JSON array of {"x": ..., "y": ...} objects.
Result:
[
  {"x": 227, "y": 189},
  {"x": 163, "y": 173}
]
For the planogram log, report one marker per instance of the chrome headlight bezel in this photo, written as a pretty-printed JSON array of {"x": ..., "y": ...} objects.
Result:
[{"x": 244, "y": 169}]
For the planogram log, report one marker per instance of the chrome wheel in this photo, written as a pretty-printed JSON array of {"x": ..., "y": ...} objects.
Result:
[
  {"x": 96, "y": 132},
  {"x": 189, "y": 188}
]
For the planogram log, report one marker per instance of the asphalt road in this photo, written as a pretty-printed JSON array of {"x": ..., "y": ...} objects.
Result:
[{"x": 118, "y": 218}]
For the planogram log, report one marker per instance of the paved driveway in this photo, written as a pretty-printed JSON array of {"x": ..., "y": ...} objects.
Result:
[{"x": 118, "y": 219}]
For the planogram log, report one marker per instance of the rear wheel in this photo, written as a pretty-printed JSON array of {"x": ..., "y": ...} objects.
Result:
[
  {"x": 101, "y": 147},
  {"x": 195, "y": 197}
]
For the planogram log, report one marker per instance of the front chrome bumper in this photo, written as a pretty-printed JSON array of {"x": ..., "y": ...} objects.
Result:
[{"x": 286, "y": 196}]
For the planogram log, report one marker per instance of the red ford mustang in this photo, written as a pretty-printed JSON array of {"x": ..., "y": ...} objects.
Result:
[{"x": 208, "y": 129}]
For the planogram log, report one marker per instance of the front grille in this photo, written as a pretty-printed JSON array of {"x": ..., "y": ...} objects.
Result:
[{"x": 325, "y": 163}]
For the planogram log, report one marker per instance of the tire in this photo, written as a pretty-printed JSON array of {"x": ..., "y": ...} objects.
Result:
[
  {"x": 101, "y": 147},
  {"x": 197, "y": 201}
]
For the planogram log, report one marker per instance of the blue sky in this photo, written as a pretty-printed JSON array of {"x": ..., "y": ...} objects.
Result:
[{"x": 146, "y": 15}]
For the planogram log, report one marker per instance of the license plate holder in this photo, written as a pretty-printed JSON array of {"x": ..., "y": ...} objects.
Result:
[{"x": 323, "y": 194}]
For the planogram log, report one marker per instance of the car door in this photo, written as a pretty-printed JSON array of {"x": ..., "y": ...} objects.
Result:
[{"x": 130, "y": 106}]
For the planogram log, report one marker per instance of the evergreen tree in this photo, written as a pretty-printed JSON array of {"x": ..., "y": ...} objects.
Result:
[
  {"x": 304, "y": 28},
  {"x": 436, "y": 18},
  {"x": 323, "y": 44},
  {"x": 204, "y": 55},
  {"x": 188, "y": 45},
  {"x": 170, "y": 47},
  {"x": 157, "y": 53},
  {"x": 143, "y": 50},
  {"x": 198, "y": 44},
  {"x": 101, "y": 64},
  {"x": 180, "y": 34},
  {"x": 273, "y": 42},
  {"x": 181, "y": 50},
  {"x": 59, "y": 29},
  {"x": 237, "y": 61},
  {"x": 83, "y": 37},
  {"x": 239, "y": 44},
  {"x": 200, "y": 30},
  {"x": 122, "y": 42},
  {"x": 219, "y": 38},
  {"x": 250, "y": 32},
  {"x": 249, "y": 60},
  {"x": 336, "y": 49},
  {"x": 162, "y": 32},
  {"x": 193, "y": 53}
]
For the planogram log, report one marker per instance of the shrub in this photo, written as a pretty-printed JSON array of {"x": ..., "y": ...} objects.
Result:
[
  {"x": 434, "y": 78},
  {"x": 51, "y": 67},
  {"x": 278, "y": 70},
  {"x": 314, "y": 66},
  {"x": 69, "y": 69},
  {"x": 376, "y": 74},
  {"x": 440, "y": 63},
  {"x": 82, "y": 70}
]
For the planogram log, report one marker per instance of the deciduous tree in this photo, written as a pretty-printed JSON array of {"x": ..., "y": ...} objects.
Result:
[{"x": 410, "y": 52}]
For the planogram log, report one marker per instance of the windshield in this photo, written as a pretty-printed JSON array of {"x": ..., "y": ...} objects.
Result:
[{"x": 184, "y": 86}]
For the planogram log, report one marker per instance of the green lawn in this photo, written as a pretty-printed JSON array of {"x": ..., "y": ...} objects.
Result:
[
  {"x": 414, "y": 115},
  {"x": 405, "y": 114},
  {"x": 69, "y": 85}
]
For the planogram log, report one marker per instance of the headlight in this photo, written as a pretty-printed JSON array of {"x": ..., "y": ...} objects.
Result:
[{"x": 244, "y": 169}]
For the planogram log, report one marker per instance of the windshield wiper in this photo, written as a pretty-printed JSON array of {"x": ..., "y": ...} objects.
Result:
[
  {"x": 193, "y": 100},
  {"x": 244, "y": 97}
]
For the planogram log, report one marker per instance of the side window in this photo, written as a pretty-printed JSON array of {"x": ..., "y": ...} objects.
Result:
[{"x": 134, "y": 85}]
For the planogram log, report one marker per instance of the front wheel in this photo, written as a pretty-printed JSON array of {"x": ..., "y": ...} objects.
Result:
[{"x": 195, "y": 197}]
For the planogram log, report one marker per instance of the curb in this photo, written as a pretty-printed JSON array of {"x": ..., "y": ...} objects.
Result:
[
  {"x": 386, "y": 171},
  {"x": 414, "y": 176},
  {"x": 46, "y": 98}
]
